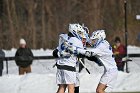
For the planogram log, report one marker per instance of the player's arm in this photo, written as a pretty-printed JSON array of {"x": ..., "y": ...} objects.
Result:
[
  {"x": 90, "y": 52},
  {"x": 58, "y": 54}
]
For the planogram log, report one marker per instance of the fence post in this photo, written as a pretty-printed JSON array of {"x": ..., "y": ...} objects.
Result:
[
  {"x": 6, "y": 66},
  {"x": 126, "y": 32}
]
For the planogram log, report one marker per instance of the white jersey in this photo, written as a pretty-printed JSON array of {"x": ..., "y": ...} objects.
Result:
[
  {"x": 76, "y": 43},
  {"x": 104, "y": 52}
]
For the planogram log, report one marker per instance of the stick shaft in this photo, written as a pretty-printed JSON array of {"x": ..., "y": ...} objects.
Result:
[{"x": 83, "y": 65}]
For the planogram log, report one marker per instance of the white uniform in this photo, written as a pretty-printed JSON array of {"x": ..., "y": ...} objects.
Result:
[
  {"x": 65, "y": 76},
  {"x": 104, "y": 52}
]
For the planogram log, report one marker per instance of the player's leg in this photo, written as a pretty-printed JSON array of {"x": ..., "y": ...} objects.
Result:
[
  {"x": 77, "y": 84},
  {"x": 1, "y": 72},
  {"x": 61, "y": 82},
  {"x": 76, "y": 89},
  {"x": 101, "y": 88},
  {"x": 70, "y": 88},
  {"x": 62, "y": 88},
  {"x": 108, "y": 79}
]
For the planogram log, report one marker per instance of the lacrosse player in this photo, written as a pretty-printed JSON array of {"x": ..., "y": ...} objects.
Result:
[
  {"x": 102, "y": 50},
  {"x": 66, "y": 58}
]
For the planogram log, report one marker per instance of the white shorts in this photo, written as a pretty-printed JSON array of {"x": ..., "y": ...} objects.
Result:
[
  {"x": 65, "y": 77},
  {"x": 77, "y": 83},
  {"x": 109, "y": 77}
]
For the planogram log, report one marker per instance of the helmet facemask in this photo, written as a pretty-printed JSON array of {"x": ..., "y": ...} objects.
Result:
[
  {"x": 81, "y": 34},
  {"x": 97, "y": 37},
  {"x": 77, "y": 31}
]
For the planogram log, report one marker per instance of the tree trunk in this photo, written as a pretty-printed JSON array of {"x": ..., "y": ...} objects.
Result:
[
  {"x": 31, "y": 5},
  {"x": 11, "y": 26},
  {"x": 16, "y": 23},
  {"x": 43, "y": 25}
]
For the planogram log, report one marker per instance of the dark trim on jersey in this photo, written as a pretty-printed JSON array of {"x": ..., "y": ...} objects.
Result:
[
  {"x": 65, "y": 67},
  {"x": 70, "y": 34}
]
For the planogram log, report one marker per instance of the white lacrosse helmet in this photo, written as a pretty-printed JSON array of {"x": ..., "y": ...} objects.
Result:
[
  {"x": 98, "y": 36},
  {"x": 77, "y": 30}
]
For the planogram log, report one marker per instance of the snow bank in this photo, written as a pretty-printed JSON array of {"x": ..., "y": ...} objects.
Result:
[
  {"x": 30, "y": 83},
  {"x": 42, "y": 79},
  {"x": 133, "y": 50}
]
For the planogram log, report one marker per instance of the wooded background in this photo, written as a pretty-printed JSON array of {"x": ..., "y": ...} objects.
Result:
[{"x": 40, "y": 22}]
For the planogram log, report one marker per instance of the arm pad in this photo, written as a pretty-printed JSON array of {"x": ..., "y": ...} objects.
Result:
[{"x": 55, "y": 53}]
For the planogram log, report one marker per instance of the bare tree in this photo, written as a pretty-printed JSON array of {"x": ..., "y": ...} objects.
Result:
[
  {"x": 30, "y": 6},
  {"x": 11, "y": 25},
  {"x": 43, "y": 25},
  {"x": 41, "y": 21}
]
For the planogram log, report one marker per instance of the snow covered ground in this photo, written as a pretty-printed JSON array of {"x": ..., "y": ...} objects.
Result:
[{"x": 42, "y": 79}]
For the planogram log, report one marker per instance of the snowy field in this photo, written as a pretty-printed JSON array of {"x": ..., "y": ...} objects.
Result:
[{"x": 42, "y": 79}]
